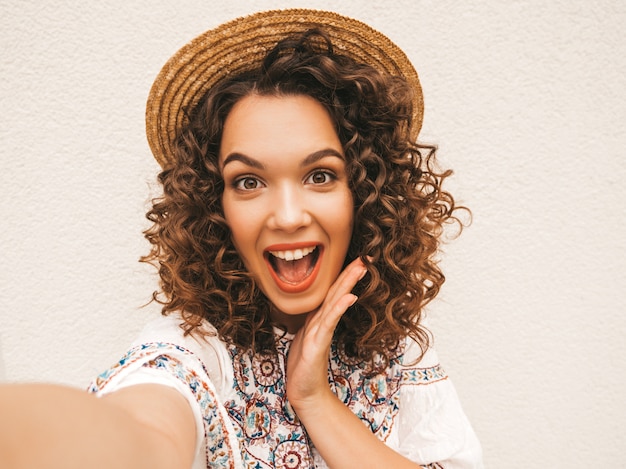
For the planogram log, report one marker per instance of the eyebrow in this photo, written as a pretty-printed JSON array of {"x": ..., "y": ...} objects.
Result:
[
  {"x": 318, "y": 155},
  {"x": 244, "y": 159},
  {"x": 310, "y": 159}
]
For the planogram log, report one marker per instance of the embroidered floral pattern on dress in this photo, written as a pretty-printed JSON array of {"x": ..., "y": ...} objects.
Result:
[
  {"x": 288, "y": 455},
  {"x": 422, "y": 376},
  {"x": 373, "y": 399},
  {"x": 265, "y": 422},
  {"x": 132, "y": 356},
  {"x": 267, "y": 433},
  {"x": 266, "y": 369}
]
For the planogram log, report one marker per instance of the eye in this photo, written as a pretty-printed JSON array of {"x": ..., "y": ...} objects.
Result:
[
  {"x": 320, "y": 177},
  {"x": 247, "y": 183}
]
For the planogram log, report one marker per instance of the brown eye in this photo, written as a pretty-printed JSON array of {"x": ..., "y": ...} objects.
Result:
[
  {"x": 320, "y": 177},
  {"x": 247, "y": 184}
]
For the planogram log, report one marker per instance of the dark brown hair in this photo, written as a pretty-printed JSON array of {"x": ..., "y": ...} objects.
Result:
[{"x": 399, "y": 216}]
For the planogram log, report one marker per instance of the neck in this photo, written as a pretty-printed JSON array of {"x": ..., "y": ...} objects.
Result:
[{"x": 293, "y": 322}]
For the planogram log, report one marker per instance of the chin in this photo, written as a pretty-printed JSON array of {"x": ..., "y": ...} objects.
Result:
[
  {"x": 291, "y": 315},
  {"x": 295, "y": 308}
]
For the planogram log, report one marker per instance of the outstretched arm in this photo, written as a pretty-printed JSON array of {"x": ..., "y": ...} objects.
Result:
[
  {"x": 339, "y": 435},
  {"x": 58, "y": 427}
]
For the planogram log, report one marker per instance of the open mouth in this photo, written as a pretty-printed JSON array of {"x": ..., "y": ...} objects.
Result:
[{"x": 294, "y": 269}]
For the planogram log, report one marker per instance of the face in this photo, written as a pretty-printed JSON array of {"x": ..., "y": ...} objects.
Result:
[{"x": 286, "y": 199}]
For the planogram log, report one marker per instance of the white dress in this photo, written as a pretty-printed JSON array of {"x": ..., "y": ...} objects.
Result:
[{"x": 245, "y": 421}]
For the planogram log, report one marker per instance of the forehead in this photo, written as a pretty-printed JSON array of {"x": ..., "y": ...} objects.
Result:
[{"x": 286, "y": 126}]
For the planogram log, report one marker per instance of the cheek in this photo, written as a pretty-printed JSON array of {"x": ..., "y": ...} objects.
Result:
[
  {"x": 346, "y": 210},
  {"x": 340, "y": 218},
  {"x": 238, "y": 222}
]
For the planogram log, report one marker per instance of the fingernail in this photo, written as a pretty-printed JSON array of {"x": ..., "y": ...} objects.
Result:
[
  {"x": 354, "y": 300},
  {"x": 363, "y": 272}
]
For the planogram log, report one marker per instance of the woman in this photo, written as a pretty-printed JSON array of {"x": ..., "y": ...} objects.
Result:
[{"x": 294, "y": 241}]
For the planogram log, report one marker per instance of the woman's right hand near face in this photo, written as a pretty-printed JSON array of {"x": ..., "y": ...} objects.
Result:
[{"x": 307, "y": 363}]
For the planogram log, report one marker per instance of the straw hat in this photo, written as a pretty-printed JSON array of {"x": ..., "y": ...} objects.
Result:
[{"x": 240, "y": 45}]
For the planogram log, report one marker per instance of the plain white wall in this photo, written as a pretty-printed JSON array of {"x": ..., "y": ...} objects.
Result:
[{"x": 526, "y": 102}]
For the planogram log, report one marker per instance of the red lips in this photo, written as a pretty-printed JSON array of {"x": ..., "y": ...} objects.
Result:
[{"x": 293, "y": 275}]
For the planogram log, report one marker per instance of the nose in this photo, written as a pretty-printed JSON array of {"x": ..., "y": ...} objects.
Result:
[{"x": 289, "y": 211}]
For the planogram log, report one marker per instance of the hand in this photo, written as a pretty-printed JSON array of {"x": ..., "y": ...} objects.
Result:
[
  {"x": 337, "y": 433},
  {"x": 307, "y": 363}
]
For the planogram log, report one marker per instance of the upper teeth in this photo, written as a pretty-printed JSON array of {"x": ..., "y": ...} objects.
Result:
[{"x": 293, "y": 255}]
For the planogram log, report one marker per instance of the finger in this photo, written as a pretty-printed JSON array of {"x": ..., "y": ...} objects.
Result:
[
  {"x": 339, "y": 297},
  {"x": 320, "y": 325},
  {"x": 331, "y": 318},
  {"x": 346, "y": 280},
  {"x": 321, "y": 328},
  {"x": 345, "y": 283}
]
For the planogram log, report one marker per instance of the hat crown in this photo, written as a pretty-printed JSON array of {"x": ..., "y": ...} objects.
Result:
[{"x": 240, "y": 45}]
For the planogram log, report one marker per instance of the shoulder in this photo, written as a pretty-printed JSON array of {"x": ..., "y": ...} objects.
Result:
[
  {"x": 170, "y": 329},
  {"x": 429, "y": 406},
  {"x": 421, "y": 367},
  {"x": 163, "y": 344},
  {"x": 202, "y": 344}
]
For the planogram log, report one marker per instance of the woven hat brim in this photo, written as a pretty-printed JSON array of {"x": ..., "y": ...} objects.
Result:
[{"x": 240, "y": 45}]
